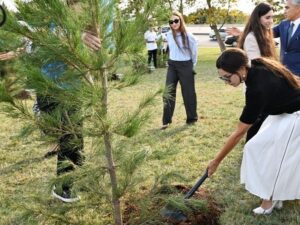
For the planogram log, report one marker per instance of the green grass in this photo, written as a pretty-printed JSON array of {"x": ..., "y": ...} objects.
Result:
[{"x": 25, "y": 176}]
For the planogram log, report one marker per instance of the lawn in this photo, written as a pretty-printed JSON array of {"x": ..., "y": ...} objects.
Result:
[{"x": 26, "y": 175}]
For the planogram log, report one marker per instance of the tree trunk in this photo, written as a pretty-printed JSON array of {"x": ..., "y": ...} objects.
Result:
[
  {"x": 170, "y": 5},
  {"x": 181, "y": 7},
  {"x": 107, "y": 135},
  {"x": 109, "y": 155},
  {"x": 220, "y": 42}
]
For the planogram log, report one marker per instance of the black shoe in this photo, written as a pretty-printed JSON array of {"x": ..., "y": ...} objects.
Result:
[
  {"x": 65, "y": 195},
  {"x": 191, "y": 122}
]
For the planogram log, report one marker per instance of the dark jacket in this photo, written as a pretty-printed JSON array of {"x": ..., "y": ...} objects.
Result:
[{"x": 289, "y": 53}]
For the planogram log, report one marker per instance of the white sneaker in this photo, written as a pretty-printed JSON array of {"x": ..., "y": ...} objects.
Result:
[{"x": 66, "y": 196}]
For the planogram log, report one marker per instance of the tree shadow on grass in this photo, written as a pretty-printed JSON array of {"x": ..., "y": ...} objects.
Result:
[
  {"x": 20, "y": 165},
  {"x": 169, "y": 132}
]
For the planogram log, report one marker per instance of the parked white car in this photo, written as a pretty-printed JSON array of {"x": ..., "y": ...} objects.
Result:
[{"x": 222, "y": 32}]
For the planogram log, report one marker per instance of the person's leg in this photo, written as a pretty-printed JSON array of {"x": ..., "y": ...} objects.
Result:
[
  {"x": 170, "y": 98},
  {"x": 149, "y": 57},
  {"x": 71, "y": 144},
  {"x": 187, "y": 82},
  {"x": 155, "y": 58},
  {"x": 35, "y": 108},
  {"x": 70, "y": 154},
  {"x": 165, "y": 55},
  {"x": 46, "y": 105},
  {"x": 266, "y": 204}
]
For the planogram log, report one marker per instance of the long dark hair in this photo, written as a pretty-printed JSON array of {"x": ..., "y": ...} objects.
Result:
[
  {"x": 263, "y": 36},
  {"x": 182, "y": 30},
  {"x": 231, "y": 60}
]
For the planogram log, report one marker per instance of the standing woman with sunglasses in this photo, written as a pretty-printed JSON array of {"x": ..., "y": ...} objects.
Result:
[{"x": 182, "y": 59}]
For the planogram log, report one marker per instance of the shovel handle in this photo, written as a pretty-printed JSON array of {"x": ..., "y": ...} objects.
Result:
[{"x": 196, "y": 186}]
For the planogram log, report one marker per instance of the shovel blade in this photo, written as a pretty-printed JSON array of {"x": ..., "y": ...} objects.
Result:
[{"x": 175, "y": 216}]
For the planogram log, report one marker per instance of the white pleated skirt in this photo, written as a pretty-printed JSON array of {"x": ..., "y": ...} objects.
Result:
[{"x": 271, "y": 161}]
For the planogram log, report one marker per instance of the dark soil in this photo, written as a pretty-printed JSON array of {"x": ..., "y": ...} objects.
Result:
[{"x": 210, "y": 216}]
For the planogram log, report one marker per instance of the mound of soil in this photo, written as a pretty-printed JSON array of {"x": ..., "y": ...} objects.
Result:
[{"x": 210, "y": 216}]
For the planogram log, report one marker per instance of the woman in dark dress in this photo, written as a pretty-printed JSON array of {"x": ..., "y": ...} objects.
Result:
[{"x": 271, "y": 158}]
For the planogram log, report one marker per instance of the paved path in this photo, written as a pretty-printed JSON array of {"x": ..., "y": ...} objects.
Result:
[
  {"x": 201, "y": 33},
  {"x": 205, "y": 41},
  {"x": 198, "y": 29}
]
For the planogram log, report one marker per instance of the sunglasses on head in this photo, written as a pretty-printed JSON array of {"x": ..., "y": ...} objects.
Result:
[{"x": 174, "y": 21}]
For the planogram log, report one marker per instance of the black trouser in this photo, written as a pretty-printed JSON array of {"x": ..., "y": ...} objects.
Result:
[
  {"x": 181, "y": 71},
  {"x": 256, "y": 126},
  {"x": 69, "y": 133},
  {"x": 163, "y": 54},
  {"x": 152, "y": 56}
]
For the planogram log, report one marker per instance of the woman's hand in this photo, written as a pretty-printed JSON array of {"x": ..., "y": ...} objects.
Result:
[
  {"x": 91, "y": 41},
  {"x": 212, "y": 167},
  {"x": 234, "y": 31}
]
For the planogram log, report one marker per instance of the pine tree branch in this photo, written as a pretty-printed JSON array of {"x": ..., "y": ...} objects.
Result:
[
  {"x": 88, "y": 78},
  {"x": 39, "y": 42},
  {"x": 73, "y": 131}
]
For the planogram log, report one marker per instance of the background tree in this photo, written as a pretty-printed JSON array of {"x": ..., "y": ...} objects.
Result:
[
  {"x": 234, "y": 17},
  {"x": 278, "y": 6},
  {"x": 158, "y": 14},
  {"x": 122, "y": 41},
  {"x": 215, "y": 16},
  {"x": 182, "y": 4}
]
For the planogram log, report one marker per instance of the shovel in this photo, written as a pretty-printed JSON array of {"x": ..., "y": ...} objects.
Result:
[{"x": 177, "y": 215}]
